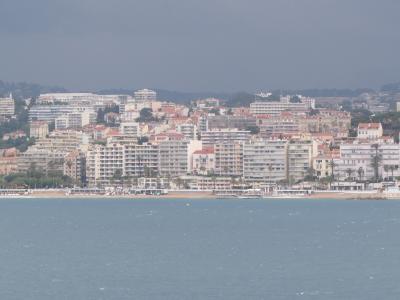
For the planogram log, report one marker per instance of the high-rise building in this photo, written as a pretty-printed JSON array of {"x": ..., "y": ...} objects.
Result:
[
  {"x": 7, "y": 106},
  {"x": 211, "y": 137},
  {"x": 265, "y": 161},
  {"x": 228, "y": 158},
  {"x": 300, "y": 155}
]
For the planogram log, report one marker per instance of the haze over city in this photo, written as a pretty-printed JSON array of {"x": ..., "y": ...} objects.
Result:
[{"x": 200, "y": 45}]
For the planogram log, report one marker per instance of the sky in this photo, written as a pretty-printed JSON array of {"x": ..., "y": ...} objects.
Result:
[{"x": 200, "y": 45}]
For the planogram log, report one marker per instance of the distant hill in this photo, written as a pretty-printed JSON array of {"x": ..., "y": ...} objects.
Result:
[
  {"x": 325, "y": 92},
  {"x": 25, "y": 90},
  {"x": 22, "y": 90},
  {"x": 173, "y": 96},
  {"x": 391, "y": 88}
]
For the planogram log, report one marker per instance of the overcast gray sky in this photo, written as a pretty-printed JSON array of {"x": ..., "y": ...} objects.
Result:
[{"x": 201, "y": 45}]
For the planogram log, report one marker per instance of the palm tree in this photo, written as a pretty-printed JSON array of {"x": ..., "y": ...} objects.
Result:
[
  {"x": 386, "y": 169},
  {"x": 392, "y": 168},
  {"x": 376, "y": 160},
  {"x": 332, "y": 165},
  {"x": 349, "y": 172},
  {"x": 360, "y": 173}
]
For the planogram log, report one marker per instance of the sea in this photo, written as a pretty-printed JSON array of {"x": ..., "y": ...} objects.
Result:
[{"x": 199, "y": 249}]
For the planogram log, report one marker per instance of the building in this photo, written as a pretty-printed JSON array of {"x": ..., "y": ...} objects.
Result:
[
  {"x": 43, "y": 160},
  {"x": 75, "y": 166},
  {"x": 357, "y": 160},
  {"x": 188, "y": 130},
  {"x": 296, "y": 104},
  {"x": 75, "y": 120},
  {"x": 38, "y": 129},
  {"x": 104, "y": 163},
  {"x": 228, "y": 121},
  {"x": 141, "y": 160},
  {"x": 369, "y": 131},
  {"x": 63, "y": 141},
  {"x": 8, "y": 161},
  {"x": 265, "y": 161},
  {"x": 49, "y": 113},
  {"x": 131, "y": 129},
  {"x": 145, "y": 95},
  {"x": 173, "y": 157},
  {"x": 7, "y": 106},
  {"x": 229, "y": 159},
  {"x": 300, "y": 155},
  {"x": 211, "y": 137},
  {"x": 203, "y": 161}
]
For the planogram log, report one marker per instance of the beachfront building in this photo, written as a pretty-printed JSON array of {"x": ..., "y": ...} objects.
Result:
[
  {"x": 361, "y": 159},
  {"x": 203, "y": 161},
  {"x": 264, "y": 161},
  {"x": 173, "y": 156},
  {"x": 300, "y": 159},
  {"x": 228, "y": 159},
  {"x": 141, "y": 160},
  {"x": 43, "y": 160},
  {"x": 104, "y": 163},
  {"x": 75, "y": 166}
]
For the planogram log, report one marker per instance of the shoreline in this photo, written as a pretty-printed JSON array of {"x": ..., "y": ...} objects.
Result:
[{"x": 203, "y": 195}]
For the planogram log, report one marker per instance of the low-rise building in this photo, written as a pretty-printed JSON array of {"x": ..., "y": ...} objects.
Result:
[
  {"x": 369, "y": 131},
  {"x": 203, "y": 161}
]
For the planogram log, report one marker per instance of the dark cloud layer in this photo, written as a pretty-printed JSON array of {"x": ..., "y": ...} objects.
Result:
[{"x": 218, "y": 45}]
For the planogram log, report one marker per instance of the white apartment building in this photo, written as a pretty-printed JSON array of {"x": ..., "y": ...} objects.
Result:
[
  {"x": 356, "y": 160},
  {"x": 141, "y": 160},
  {"x": 131, "y": 129},
  {"x": 265, "y": 161},
  {"x": 63, "y": 141},
  {"x": 145, "y": 95},
  {"x": 211, "y": 137},
  {"x": 103, "y": 163},
  {"x": 48, "y": 113},
  {"x": 7, "y": 106},
  {"x": 188, "y": 130},
  {"x": 300, "y": 159},
  {"x": 369, "y": 131},
  {"x": 274, "y": 108},
  {"x": 229, "y": 159},
  {"x": 173, "y": 157}
]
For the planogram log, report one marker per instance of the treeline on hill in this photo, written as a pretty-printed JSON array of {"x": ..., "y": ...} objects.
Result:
[
  {"x": 390, "y": 121},
  {"x": 23, "y": 90}
]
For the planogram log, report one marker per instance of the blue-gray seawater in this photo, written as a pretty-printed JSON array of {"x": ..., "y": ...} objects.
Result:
[{"x": 199, "y": 249}]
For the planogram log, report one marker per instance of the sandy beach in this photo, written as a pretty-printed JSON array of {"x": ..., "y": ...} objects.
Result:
[{"x": 205, "y": 195}]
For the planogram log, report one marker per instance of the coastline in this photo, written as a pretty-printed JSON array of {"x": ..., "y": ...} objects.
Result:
[{"x": 201, "y": 195}]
